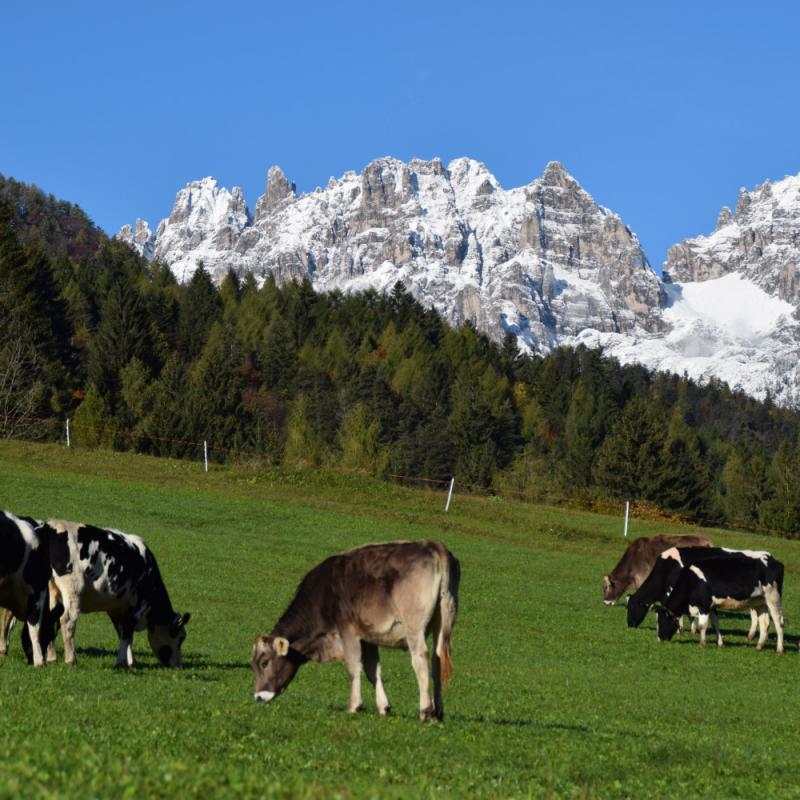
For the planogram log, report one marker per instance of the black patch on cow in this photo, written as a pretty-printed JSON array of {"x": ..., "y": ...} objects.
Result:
[
  {"x": 165, "y": 654},
  {"x": 59, "y": 553},
  {"x": 12, "y": 547}
]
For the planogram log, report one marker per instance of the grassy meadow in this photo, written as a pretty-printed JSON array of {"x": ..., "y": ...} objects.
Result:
[{"x": 552, "y": 696}]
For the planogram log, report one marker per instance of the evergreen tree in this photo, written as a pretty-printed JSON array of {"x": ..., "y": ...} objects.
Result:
[
  {"x": 628, "y": 459},
  {"x": 200, "y": 307},
  {"x": 123, "y": 334},
  {"x": 781, "y": 512},
  {"x": 92, "y": 425},
  {"x": 360, "y": 442}
]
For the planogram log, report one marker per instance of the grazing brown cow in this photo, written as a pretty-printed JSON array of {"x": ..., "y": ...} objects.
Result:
[
  {"x": 388, "y": 595},
  {"x": 639, "y": 559}
]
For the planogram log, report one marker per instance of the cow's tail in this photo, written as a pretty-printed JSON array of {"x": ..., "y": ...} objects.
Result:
[{"x": 448, "y": 606}]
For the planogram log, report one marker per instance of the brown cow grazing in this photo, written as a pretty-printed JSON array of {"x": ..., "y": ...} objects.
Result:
[
  {"x": 639, "y": 559},
  {"x": 388, "y": 595}
]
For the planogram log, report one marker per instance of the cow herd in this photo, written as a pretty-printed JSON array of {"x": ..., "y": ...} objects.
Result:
[
  {"x": 393, "y": 594},
  {"x": 389, "y": 595},
  {"x": 687, "y": 575}
]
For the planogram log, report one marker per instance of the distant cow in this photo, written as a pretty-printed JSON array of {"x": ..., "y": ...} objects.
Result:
[
  {"x": 638, "y": 560},
  {"x": 388, "y": 595},
  {"x": 731, "y": 583},
  {"x": 101, "y": 569},
  {"x": 24, "y": 575},
  {"x": 662, "y": 578}
]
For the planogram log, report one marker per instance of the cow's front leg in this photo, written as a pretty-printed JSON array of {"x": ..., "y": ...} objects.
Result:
[
  {"x": 702, "y": 624},
  {"x": 715, "y": 623},
  {"x": 5, "y": 630},
  {"x": 125, "y": 628},
  {"x": 419, "y": 660},
  {"x": 352, "y": 659},
  {"x": 35, "y": 617},
  {"x": 372, "y": 666}
]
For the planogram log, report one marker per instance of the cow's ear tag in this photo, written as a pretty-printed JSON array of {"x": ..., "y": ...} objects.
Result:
[
  {"x": 185, "y": 618},
  {"x": 281, "y": 646}
]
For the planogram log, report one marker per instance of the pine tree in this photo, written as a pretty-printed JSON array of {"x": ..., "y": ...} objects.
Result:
[
  {"x": 123, "y": 334},
  {"x": 200, "y": 307},
  {"x": 628, "y": 459}
]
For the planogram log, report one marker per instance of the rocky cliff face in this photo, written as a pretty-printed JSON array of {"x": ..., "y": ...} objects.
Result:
[
  {"x": 760, "y": 241},
  {"x": 544, "y": 261}
]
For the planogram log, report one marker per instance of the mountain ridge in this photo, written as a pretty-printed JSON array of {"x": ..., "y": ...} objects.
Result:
[{"x": 543, "y": 260}]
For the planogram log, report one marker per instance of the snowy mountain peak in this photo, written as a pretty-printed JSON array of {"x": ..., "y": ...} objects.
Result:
[
  {"x": 140, "y": 238},
  {"x": 761, "y": 242}
]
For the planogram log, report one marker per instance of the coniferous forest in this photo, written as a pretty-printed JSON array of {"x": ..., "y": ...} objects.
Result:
[{"x": 92, "y": 332}]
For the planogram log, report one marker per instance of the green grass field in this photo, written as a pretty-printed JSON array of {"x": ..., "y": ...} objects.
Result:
[{"x": 552, "y": 696}]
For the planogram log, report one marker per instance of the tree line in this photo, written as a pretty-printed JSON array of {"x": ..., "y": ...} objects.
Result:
[{"x": 374, "y": 382}]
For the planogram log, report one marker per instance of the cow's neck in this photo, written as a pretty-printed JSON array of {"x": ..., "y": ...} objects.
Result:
[{"x": 304, "y": 636}]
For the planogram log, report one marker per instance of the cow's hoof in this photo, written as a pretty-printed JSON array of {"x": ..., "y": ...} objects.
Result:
[
  {"x": 428, "y": 715},
  {"x": 779, "y": 652},
  {"x": 355, "y": 710},
  {"x": 385, "y": 711},
  {"x": 759, "y": 647}
]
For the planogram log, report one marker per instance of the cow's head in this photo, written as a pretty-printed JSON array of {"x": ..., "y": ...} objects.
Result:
[
  {"x": 274, "y": 663},
  {"x": 636, "y": 612},
  {"x": 610, "y": 591},
  {"x": 166, "y": 639},
  {"x": 667, "y": 624}
]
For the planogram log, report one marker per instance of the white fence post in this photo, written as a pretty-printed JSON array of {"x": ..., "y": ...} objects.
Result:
[
  {"x": 450, "y": 494},
  {"x": 67, "y": 431},
  {"x": 205, "y": 454},
  {"x": 627, "y": 509}
]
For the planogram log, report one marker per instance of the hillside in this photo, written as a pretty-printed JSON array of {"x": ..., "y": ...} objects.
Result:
[
  {"x": 550, "y": 689},
  {"x": 373, "y": 382}
]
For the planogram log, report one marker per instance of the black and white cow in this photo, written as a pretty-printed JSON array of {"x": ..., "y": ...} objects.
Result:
[
  {"x": 24, "y": 576},
  {"x": 662, "y": 578},
  {"x": 101, "y": 569},
  {"x": 731, "y": 583}
]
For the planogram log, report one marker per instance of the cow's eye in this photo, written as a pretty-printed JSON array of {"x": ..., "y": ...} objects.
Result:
[{"x": 264, "y": 663}]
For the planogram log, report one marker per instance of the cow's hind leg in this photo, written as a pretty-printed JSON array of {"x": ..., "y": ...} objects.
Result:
[
  {"x": 763, "y": 628},
  {"x": 352, "y": 660},
  {"x": 372, "y": 666},
  {"x": 419, "y": 660},
  {"x": 436, "y": 666},
  {"x": 5, "y": 629},
  {"x": 773, "y": 598},
  {"x": 68, "y": 623},
  {"x": 754, "y": 625},
  {"x": 715, "y": 623}
]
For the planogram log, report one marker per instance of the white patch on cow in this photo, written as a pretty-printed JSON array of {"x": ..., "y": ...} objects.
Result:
[
  {"x": 27, "y": 532},
  {"x": 264, "y": 697},
  {"x": 697, "y": 571},
  {"x": 762, "y": 555},
  {"x": 694, "y": 611},
  {"x": 672, "y": 553}
]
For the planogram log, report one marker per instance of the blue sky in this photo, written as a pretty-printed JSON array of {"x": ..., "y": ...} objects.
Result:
[{"x": 661, "y": 110}]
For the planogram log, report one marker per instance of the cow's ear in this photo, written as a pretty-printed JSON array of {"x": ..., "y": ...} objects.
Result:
[
  {"x": 281, "y": 646},
  {"x": 185, "y": 618}
]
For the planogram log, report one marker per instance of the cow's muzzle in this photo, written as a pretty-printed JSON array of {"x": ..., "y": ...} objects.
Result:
[{"x": 264, "y": 697}]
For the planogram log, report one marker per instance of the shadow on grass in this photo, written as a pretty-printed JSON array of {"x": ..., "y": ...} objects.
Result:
[{"x": 194, "y": 662}]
